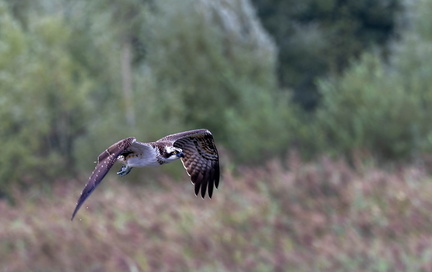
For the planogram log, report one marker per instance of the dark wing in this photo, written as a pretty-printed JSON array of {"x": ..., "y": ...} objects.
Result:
[
  {"x": 201, "y": 159},
  {"x": 104, "y": 163}
]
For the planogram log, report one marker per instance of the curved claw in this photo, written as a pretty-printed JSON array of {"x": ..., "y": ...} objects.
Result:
[{"x": 124, "y": 170}]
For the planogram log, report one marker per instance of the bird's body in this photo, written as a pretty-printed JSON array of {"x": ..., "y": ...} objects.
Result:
[
  {"x": 195, "y": 148},
  {"x": 145, "y": 154}
]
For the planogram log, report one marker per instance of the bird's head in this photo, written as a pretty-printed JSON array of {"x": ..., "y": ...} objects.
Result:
[{"x": 173, "y": 153}]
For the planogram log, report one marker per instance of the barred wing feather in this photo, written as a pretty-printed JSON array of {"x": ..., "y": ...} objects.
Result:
[{"x": 201, "y": 159}]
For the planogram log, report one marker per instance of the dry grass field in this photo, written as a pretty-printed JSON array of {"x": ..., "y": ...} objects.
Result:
[{"x": 284, "y": 216}]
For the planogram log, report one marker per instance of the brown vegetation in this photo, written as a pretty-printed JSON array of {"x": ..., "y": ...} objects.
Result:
[{"x": 293, "y": 216}]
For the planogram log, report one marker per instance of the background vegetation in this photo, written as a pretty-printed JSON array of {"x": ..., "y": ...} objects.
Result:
[{"x": 320, "y": 110}]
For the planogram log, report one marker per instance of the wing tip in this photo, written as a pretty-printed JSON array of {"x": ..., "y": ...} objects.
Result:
[
  {"x": 201, "y": 191},
  {"x": 74, "y": 213},
  {"x": 78, "y": 206}
]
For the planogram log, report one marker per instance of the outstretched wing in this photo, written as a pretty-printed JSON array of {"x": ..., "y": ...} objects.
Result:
[
  {"x": 201, "y": 159},
  {"x": 104, "y": 163}
]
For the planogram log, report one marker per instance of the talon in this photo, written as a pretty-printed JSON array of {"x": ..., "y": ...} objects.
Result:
[{"x": 124, "y": 170}]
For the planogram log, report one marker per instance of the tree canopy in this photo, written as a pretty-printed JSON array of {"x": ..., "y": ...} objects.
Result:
[{"x": 77, "y": 76}]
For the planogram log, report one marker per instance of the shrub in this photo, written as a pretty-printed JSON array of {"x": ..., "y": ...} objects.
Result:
[
  {"x": 368, "y": 108},
  {"x": 43, "y": 100},
  {"x": 294, "y": 216},
  {"x": 214, "y": 67}
]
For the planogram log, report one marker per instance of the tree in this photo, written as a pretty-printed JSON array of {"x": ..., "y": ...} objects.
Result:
[
  {"x": 384, "y": 106},
  {"x": 317, "y": 38},
  {"x": 44, "y": 99},
  {"x": 214, "y": 67}
]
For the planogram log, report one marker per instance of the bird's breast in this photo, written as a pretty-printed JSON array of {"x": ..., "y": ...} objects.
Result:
[{"x": 141, "y": 160}]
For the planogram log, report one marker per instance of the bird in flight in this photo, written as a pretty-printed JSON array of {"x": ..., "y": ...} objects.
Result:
[{"x": 196, "y": 149}]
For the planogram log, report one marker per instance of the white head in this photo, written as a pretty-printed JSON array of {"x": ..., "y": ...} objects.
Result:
[{"x": 172, "y": 153}]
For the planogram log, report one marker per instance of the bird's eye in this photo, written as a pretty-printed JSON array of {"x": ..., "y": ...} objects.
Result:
[{"x": 175, "y": 152}]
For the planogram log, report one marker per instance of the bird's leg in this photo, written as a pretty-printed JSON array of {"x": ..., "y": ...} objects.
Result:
[{"x": 124, "y": 170}]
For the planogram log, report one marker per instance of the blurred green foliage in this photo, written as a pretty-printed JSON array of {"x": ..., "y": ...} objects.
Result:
[
  {"x": 77, "y": 76},
  {"x": 317, "y": 38},
  {"x": 368, "y": 109},
  {"x": 383, "y": 106},
  {"x": 218, "y": 75},
  {"x": 44, "y": 98}
]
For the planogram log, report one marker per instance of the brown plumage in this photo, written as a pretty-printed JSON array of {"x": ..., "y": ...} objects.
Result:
[
  {"x": 195, "y": 148},
  {"x": 201, "y": 159}
]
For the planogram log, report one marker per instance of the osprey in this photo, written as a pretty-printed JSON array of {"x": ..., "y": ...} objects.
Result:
[{"x": 196, "y": 149}]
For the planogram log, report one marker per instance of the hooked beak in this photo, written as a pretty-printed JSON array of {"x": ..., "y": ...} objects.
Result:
[{"x": 180, "y": 155}]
